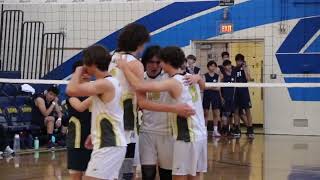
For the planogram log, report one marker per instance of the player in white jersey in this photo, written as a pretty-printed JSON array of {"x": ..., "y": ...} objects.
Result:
[
  {"x": 190, "y": 134},
  {"x": 131, "y": 43},
  {"x": 107, "y": 129},
  {"x": 155, "y": 138}
]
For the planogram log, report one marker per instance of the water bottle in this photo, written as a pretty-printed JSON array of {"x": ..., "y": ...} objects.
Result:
[
  {"x": 53, "y": 139},
  {"x": 36, "y": 143},
  {"x": 16, "y": 143}
]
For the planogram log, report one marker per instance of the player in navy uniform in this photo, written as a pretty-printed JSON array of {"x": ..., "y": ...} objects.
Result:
[
  {"x": 212, "y": 96},
  {"x": 79, "y": 124},
  {"x": 243, "y": 102},
  {"x": 228, "y": 95},
  {"x": 191, "y": 68}
]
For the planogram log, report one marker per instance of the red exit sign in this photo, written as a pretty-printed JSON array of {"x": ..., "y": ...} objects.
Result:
[{"x": 226, "y": 28}]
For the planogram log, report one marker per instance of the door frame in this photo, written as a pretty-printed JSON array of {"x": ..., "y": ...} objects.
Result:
[{"x": 260, "y": 40}]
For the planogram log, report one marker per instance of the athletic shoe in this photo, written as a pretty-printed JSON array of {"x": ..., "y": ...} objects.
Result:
[
  {"x": 230, "y": 133},
  {"x": 216, "y": 134},
  {"x": 1, "y": 153},
  {"x": 8, "y": 150},
  {"x": 61, "y": 143},
  {"x": 51, "y": 145},
  {"x": 250, "y": 132},
  {"x": 237, "y": 133},
  {"x": 251, "y": 136}
]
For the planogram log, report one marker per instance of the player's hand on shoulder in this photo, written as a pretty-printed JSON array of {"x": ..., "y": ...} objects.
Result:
[
  {"x": 185, "y": 110},
  {"x": 192, "y": 79}
]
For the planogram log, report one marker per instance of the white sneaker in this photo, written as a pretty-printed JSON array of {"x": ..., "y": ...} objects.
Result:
[
  {"x": 8, "y": 150},
  {"x": 1, "y": 153},
  {"x": 216, "y": 134}
]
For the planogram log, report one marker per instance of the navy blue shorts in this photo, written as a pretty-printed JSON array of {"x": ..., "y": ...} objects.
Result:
[
  {"x": 228, "y": 106},
  {"x": 211, "y": 99},
  {"x": 242, "y": 98}
]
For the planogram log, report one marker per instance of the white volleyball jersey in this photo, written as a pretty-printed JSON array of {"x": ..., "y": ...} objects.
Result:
[
  {"x": 193, "y": 128},
  {"x": 128, "y": 96},
  {"x": 156, "y": 122},
  {"x": 107, "y": 127}
]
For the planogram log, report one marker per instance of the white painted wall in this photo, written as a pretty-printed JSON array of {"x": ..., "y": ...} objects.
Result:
[{"x": 85, "y": 24}]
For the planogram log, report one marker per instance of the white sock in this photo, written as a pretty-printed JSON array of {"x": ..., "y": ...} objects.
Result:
[{"x": 215, "y": 128}]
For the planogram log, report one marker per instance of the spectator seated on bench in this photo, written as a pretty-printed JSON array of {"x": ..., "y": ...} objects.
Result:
[{"x": 47, "y": 114}]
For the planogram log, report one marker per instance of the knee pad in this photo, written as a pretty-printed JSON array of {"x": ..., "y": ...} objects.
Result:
[
  {"x": 149, "y": 172},
  {"x": 165, "y": 174},
  {"x": 127, "y": 176}
]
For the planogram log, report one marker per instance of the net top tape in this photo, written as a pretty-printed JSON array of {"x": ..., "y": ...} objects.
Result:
[{"x": 257, "y": 85}]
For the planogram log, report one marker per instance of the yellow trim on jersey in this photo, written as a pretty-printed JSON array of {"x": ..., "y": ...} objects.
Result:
[
  {"x": 125, "y": 96},
  {"x": 77, "y": 124},
  {"x": 153, "y": 96},
  {"x": 193, "y": 92},
  {"x": 130, "y": 95},
  {"x": 105, "y": 116},
  {"x": 174, "y": 124},
  {"x": 114, "y": 71},
  {"x": 190, "y": 129}
]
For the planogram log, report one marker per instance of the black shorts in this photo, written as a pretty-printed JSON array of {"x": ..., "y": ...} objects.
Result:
[
  {"x": 242, "y": 98},
  {"x": 78, "y": 159},
  {"x": 131, "y": 150},
  {"x": 41, "y": 123},
  {"x": 212, "y": 99},
  {"x": 228, "y": 106}
]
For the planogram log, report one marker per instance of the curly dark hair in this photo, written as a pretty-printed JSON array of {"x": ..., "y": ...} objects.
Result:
[
  {"x": 172, "y": 55},
  {"x": 132, "y": 36}
]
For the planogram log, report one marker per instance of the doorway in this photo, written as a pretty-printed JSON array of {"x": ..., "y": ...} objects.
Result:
[{"x": 253, "y": 50}]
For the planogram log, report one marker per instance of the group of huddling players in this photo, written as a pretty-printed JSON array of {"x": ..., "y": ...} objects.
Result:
[
  {"x": 228, "y": 104},
  {"x": 107, "y": 140}
]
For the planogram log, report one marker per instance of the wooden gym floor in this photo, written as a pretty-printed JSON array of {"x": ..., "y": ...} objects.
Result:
[{"x": 267, "y": 157}]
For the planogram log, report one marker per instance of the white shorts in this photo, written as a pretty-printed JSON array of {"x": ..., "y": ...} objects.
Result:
[
  {"x": 105, "y": 163},
  {"x": 189, "y": 158},
  {"x": 156, "y": 149}
]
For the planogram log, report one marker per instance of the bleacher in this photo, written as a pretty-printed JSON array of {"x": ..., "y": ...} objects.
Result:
[{"x": 16, "y": 112}]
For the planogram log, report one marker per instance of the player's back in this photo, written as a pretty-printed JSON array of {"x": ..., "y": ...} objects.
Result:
[
  {"x": 107, "y": 127},
  {"x": 128, "y": 96},
  {"x": 193, "y": 128}
]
